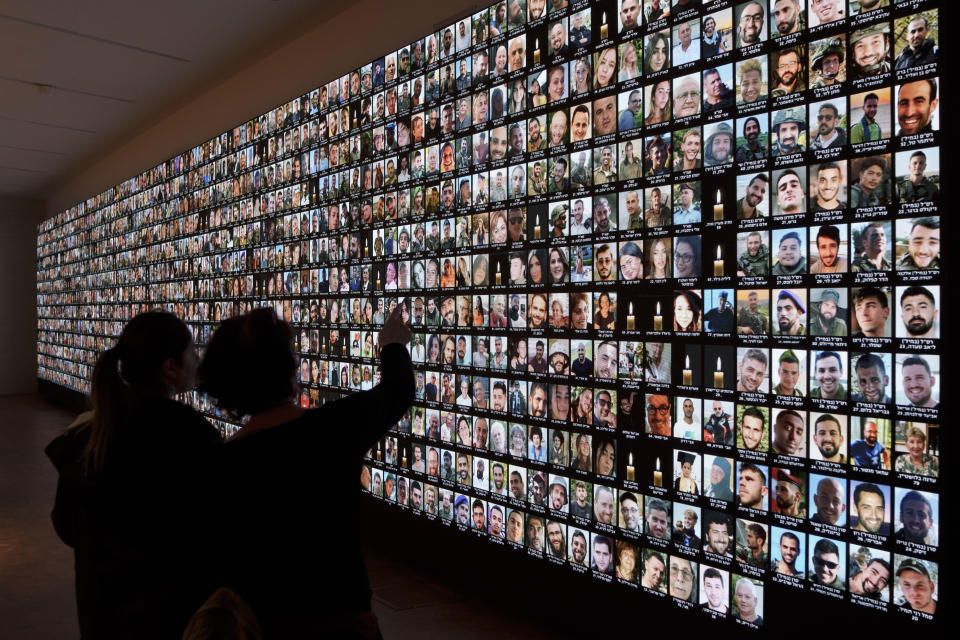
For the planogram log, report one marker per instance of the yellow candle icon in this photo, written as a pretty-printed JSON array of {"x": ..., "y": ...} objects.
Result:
[
  {"x": 536, "y": 52},
  {"x": 657, "y": 476},
  {"x": 658, "y": 320},
  {"x": 718, "y": 208},
  {"x": 497, "y": 277},
  {"x": 631, "y": 472},
  {"x": 631, "y": 319},
  {"x": 688, "y": 374},
  {"x": 718, "y": 264},
  {"x": 718, "y": 376},
  {"x": 603, "y": 28}
]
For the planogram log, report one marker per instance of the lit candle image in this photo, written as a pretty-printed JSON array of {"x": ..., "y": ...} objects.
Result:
[
  {"x": 658, "y": 320},
  {"x": 688, "y": 374},
  {"x": 403, "y": 461},
  {"x": 497, "y": 276},
  {"x": 718, "y": 376},
  {"x": 366, "y": 252},
  {"x": 718, "y": 208},
  {"x": 658, "y": 476},
  {"x": 536, "y": 232},
  {"x": 536, "y": 52},
  {"x": 631, "y": 319},
  {"x": 603, "y": 28},
  {"x": 631, "y": 472},
  {"x": 718, "y": 264},
  {"x": 379, "y": 453}
]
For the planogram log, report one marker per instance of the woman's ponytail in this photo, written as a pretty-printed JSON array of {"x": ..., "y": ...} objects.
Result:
[
  {"x": 110, "y": 399},
  {"x": 129, "y": 370}
]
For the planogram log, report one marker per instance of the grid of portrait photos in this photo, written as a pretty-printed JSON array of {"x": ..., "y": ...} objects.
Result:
[{"x": 673, "y": 271}]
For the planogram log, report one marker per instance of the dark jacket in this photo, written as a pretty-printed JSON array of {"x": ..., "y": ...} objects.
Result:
[
  {"x": 292, "y": 500},
  {"x": 139, "y": 526},
  {"x": 926, "y": 53}
]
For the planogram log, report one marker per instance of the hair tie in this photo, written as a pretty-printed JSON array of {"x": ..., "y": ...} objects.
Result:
[{"x": 119, "y": 352}]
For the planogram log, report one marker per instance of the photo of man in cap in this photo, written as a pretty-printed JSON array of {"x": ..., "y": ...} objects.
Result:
[
  {"x": 557, "y": 496},
  {"x": 870, "y": 51},
  {"x": 789, "y": 494},
  {"x": 657, "y": 160},
  {"x": 720, "y": 146},
  {"x": 787, "y": 125},
  {"x": 790, "y": 312},
  {"x": 827, "y": 321},
  {"x": 827, "y": 62},
  {"x": 916, "y": 586},
  {"x": 721, "y": 319},
  {"x": 688, "y": 212}
]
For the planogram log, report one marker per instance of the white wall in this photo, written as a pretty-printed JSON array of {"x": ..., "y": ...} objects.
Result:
[{"x": 18, "y": 294}]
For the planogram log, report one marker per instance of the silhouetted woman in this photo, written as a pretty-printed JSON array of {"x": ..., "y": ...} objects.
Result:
[
  {"x": 135, "y": 487},
  {"x": 292, "y": 504}
]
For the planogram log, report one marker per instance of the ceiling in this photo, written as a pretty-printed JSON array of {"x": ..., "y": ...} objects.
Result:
[{"x": 77, "y": 76}]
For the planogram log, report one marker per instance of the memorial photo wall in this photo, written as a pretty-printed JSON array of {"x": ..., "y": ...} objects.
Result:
[{"x": 673, "y": 271}]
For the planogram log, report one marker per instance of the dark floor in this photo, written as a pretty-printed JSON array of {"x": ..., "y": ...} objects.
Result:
[{"x": 36, "y": 569}]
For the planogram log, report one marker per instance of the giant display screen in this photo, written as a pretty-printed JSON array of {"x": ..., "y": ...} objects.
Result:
[{"x": 673, "y": 272}]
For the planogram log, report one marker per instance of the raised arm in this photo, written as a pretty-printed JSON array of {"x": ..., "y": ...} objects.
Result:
[{"x": 367, "y": 415}]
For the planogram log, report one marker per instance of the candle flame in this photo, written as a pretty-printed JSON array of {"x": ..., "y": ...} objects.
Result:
[
  {"x": 658, "y": 464},
  {"x": 630, "y": 461},
  {"x": 718, "y": 196},
  {"x": 630, "y": 312},
  {"x": 604, "y": 17},
  {"x": 658, "y": 308},
  {"x": 537, "y": 45},
  {"x": 718, "y": 252},
  {"x": 688, "y": 363},
  {"x": 719, "y": 367}
]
